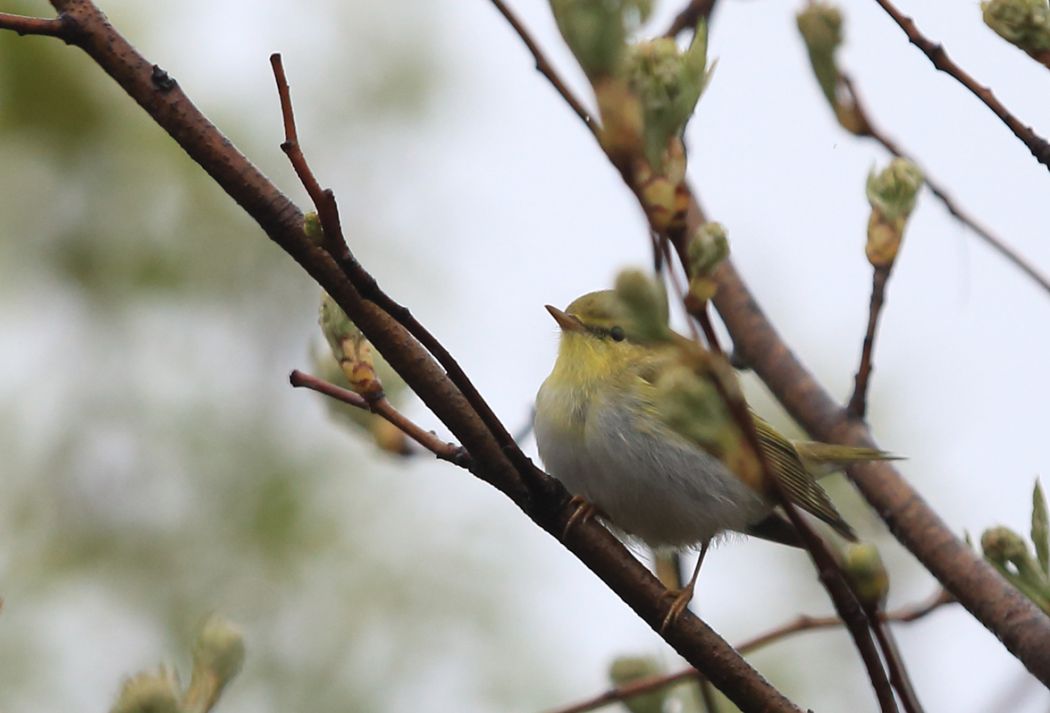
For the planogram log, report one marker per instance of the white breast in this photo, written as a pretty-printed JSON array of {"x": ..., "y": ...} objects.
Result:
[{"x": 650, "y": 482}]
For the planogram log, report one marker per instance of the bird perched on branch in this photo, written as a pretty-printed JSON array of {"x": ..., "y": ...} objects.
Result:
[{"x": 635, "y": 421}]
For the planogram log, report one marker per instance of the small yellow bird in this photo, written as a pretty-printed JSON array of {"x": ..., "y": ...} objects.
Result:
[{"x": 609, "y": 425}]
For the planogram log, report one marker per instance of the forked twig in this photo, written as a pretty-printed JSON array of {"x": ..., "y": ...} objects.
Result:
[{"x": 328, "y": 214}]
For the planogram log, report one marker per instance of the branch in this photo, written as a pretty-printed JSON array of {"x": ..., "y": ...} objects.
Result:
[
  {"x": 940, "y": 59},
  {"x": 898, "y": 671},
  {"x": 51, "y": 27},
  {"x": 445, "y": 451},
  {"x": 798, "y": 625},
  {"x": 540, "y": 497},
  {"x": 546, "y": 68},
  {"x": 858, "y": 403}
]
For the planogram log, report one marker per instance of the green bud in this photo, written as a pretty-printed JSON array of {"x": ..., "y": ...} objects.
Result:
[
  {"x": 350, "y": 348},
  {"x": 821, "y": 27},
  {"x": 707, "y": 249},
  {"x": 1001, "y": 544},
  {"x": 645, "y": 302},
  {"x": 668, "y": 83},
  {"x": 149, "y": 692},
  {"x": 1040, "y": 528},
  {"x": 1007, "y": 552},
  {"x": 1023, "y": 23},
  {"x": 892, "y": 194},
  {"x": 892, "y": 191},
  {"x": 596, "y": 31},
  {"x": 312, "y": 227},
  {"x": 866, "y": 573},
  {"x": 629, "y": 669}
]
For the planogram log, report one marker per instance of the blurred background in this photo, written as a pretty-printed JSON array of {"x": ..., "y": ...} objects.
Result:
[{"x": 157, "y": 467}]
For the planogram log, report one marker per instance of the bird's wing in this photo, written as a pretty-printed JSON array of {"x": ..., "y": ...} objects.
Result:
[{"x": 798, "y": 484}]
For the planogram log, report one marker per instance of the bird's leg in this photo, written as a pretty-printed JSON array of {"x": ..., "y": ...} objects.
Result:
[
  {"x": 584, "y": 511},
  {"x": 685, "y": 595}
]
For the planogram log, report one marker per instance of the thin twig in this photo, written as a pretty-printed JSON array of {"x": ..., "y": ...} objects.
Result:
[
  {"x": 323, "y": 200},
  {"x": 858, "y": 403},
  {"x": 335, "y": 243},
  {"x": 854, "y": 616},
  {"x": 870, "y": 129},
  {"x": 382, "y": 407},
  {"x": 546, "y": 68},
  {"x": 47, "y": 26},
  {"x": 689, "y": 16},
  {"x": 681, "y": 290},
  {"x": 898, "y": 671},
  {"x": 798, "y": 625},
  {"x": 939, "y": 57},
  {"x": 707, "y": 695}
]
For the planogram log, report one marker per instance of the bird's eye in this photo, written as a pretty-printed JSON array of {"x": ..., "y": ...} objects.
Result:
[{"x": 617, "y": 334}]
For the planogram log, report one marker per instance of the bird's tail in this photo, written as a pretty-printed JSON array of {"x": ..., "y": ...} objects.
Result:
[{"x": 822, "y": 458}]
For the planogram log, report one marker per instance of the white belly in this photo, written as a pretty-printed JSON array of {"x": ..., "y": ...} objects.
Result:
[{"x": 650, "y": 482}]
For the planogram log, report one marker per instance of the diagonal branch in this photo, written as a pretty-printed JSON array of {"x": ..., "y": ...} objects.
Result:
[
  {"x": 936, "y": 53},
  {"x": 545, "y": 68},
  {"x": 1019, "y": 624}
]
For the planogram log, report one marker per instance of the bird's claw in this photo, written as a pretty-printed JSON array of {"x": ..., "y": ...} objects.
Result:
[
  {"x": 583, "y": 512},
  {"x": 681, "y": 602}
]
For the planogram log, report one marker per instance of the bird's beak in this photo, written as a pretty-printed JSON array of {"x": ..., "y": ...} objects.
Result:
[{"x": 567, "y": 322}]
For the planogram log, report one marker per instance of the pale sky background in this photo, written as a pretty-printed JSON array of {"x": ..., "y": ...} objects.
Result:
[{"x": 497, "y": 201}]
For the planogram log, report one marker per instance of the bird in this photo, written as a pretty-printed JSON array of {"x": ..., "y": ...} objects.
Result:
[{"x": 639, "y": 435}]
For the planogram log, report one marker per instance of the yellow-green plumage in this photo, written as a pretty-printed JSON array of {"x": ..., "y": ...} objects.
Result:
[{"x": 628, "y": 420}]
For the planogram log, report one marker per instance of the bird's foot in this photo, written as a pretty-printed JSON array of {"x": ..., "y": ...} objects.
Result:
[
  {"x": 583, "y": 512},
  {"x": 680, "y": 603}
]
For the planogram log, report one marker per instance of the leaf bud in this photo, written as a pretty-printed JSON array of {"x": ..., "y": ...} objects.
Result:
[{"x": 866, "y": 574}]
